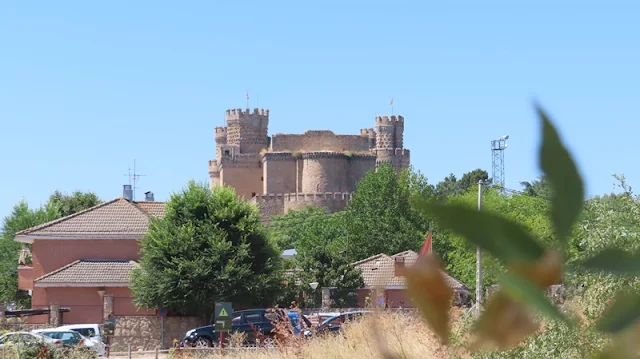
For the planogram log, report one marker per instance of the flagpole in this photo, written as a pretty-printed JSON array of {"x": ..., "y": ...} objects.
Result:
[
  {"x": 247, "y": 95},
  {"x": 391, "y": 106}
]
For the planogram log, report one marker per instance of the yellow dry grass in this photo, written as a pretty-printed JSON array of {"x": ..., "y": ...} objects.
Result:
[{"x": 400, "y": 335}]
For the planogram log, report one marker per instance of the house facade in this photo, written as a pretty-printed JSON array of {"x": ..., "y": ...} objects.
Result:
[
  {"x": 384, "y": 284},
  {"x": 83, "y": 261}
]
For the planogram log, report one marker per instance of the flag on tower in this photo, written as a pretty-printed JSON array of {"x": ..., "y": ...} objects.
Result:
[
  {"x": 391, "y": 103},
  {"x": 246, "y": 95},
  {"x": 426, "y": 247}
]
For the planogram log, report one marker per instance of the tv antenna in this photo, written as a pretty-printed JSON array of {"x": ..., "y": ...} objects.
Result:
[{"x": 133, "y": 178}]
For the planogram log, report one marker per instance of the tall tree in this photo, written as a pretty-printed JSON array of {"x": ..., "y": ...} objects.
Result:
[
  {"x": 209, "y": 246},
  {"x": 472, "y": 178},
  {"x": 317, "y": 236},
  {"x": 69, "y": 204},
  {"x": 539, "y": 187},
  {"x": 380, "y": 218}
]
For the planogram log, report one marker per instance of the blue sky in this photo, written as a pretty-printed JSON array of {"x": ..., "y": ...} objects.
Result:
[{"x": 87, "y": 87}]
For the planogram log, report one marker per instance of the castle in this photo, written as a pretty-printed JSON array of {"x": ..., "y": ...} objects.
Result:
[{"x": 293, "y": 171}]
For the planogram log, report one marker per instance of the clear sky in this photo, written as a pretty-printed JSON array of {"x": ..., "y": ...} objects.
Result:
[{"x": 87, "y": 87}]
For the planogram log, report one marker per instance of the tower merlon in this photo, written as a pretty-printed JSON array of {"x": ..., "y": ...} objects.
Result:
[{"x": 240, "y": 114}]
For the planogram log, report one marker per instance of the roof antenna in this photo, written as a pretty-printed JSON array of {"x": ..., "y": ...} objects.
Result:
[{"x": 133, "y": 177}]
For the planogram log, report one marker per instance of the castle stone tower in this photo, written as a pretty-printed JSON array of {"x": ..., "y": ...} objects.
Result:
[
  {"x": 248, "y": 131},
  {"x": 389, "y": 141}
]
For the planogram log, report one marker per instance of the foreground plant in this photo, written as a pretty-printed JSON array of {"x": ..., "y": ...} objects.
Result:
[{"x": 530, "y": 268}]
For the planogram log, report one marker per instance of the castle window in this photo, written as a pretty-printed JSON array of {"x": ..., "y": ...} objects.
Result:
[
  {"x": 226, "y": 152},
  {"x": 253, "y": 194},
  {"x": 262, "y": 178}
]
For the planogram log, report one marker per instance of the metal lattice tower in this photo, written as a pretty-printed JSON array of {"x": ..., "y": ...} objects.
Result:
[{"x": 497, "y": 160}]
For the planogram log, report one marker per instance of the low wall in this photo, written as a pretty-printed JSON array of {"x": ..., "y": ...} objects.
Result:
[{"x": 144, "y": 332}]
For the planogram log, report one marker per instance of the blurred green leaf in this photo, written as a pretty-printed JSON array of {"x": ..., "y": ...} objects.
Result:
[
  {"x": 568, "y": 190},
  {"x": 624, "y": 311},
  {"x": 504, "y": 239},
  {"x": 614, "y": 260},
  {"x": 524, "y": 291}
]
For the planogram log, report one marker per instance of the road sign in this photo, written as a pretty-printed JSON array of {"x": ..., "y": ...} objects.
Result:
[
  {"x": 161, "y": 312},
  {"x": 223, "y": 317}
]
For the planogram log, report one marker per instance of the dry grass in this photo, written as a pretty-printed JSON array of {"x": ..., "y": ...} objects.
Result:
[{"x": 398, "y": 335}]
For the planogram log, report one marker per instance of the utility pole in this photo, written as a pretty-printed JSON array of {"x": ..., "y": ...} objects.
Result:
[{"x": 479, "y": 260}]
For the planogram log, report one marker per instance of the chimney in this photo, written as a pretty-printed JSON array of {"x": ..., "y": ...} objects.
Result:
[
  {"x": 398, "y": 267},
  {"x": 127, "y": 192},
  {"x": 148, "y": 196}
]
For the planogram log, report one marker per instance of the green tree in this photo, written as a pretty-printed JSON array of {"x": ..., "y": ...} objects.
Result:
[
  {"x": 209, "y": 246},
  {"x": 69, "y": 204},
  {"x": 317, "y": 238},
  {"x": 472, "y": 178},
  {"x": 379, "y": 218},
  {"x": 540, "y": 187}
]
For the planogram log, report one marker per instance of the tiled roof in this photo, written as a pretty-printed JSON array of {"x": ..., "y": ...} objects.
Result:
[
  {"x": 117, "y": 217},
  {"x": 379, "y": 270},
  {"x": 89, "y": 271}
]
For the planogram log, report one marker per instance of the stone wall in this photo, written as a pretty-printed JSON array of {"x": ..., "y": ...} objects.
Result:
[
  {"x": 144, "y": 332},
  {"x": 279, "y": 173},
  {"x": 278, "y": 204},
  {"x": 310, "y": 141}
]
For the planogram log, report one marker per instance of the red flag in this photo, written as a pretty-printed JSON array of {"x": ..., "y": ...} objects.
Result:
[{"x": 426, "y": 247}]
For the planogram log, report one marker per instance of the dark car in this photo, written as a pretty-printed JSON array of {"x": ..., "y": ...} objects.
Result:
[
  {"x": 334, "y": 324},
  {"x": 253, "y": 322}
]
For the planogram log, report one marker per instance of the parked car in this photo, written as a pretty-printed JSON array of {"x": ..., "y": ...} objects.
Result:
[
  {"x": 90, "y": 331},
  {"x": 25, "y": 339},
  {"x": 245, "y": 321},
  {"x": 334, "y": 323},
  {"x": 71, "y": 338}
]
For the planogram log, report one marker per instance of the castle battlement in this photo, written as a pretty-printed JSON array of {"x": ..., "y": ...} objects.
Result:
[
  {"x": 221, "y": 131},
  {"x": 277, "y": 156},
  {"x": 303, "y": 197},
  {"x": 246, "y": 115},
  {"x": 367, "y": 132},
  {"x": 316, "y": 155},
  {"x": 402, "y": 152},
  {"x": 386, "y": 121},
  {"x": 362, "y": 156}
]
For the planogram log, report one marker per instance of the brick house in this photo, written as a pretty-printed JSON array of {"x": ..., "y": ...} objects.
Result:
[
  {"x": 83, "y": 261},
  {"x": 384, "y": 271}
]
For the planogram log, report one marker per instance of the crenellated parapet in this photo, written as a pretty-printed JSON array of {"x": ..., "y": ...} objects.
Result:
[
  {"x": 247, "y": 115},
  {"x": 320, "y": 155},
  {"x": 278, "y": 156},
  {"x": 302, "y": 197},
  {"x": 281, "y": 203}
]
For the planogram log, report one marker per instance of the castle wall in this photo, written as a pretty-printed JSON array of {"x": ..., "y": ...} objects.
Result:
[
  {"x": 359, "y": 165},
  {"x": 310, "y": 141},
  {"x": 242, "y": 172},
  {"x": 279, "y": 173},
  {"x": 325, "y": 172},
  {"x": 279, "y": 204}
]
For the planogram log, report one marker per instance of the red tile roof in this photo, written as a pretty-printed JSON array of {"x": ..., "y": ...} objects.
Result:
[
  {"x": 90, "y": 272},
  {"x": 114, "y": 218},
  {"x": 379, "y": 270}
]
